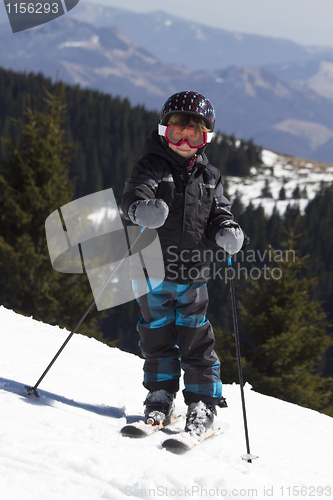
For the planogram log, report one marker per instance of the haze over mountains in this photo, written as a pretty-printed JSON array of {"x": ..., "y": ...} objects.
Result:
[
  {"x": 175, "y": 40},
  {"x": 271, "y": 90}
]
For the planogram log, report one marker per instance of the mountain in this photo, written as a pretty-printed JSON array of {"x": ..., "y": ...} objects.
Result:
[
  {"x": 251, "y": 103},
  {"x": 174, "y": 40},
  {"x": 316, "y": 75},
  {"x": 66, "y": 444},
  {"x": 289, "y": 118},
  {"x": 200, "y": 47},
  {"x": 99, "y": 58}
]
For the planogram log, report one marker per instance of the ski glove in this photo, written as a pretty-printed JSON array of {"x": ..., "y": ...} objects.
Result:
[
  {"x": 149, "y": 213},
  {"x": 230, "y": 237}
]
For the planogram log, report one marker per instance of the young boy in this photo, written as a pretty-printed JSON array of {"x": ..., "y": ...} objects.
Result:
[{"x": 175, "y": 190}]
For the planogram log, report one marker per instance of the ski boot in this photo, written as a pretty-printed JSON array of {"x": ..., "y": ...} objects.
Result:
[
  {"x": 199, "y": 417},
  {"x": 159, "y": 406}
]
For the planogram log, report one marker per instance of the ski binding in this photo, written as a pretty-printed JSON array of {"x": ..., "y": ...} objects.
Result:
[{"x": 141, "y": 429}]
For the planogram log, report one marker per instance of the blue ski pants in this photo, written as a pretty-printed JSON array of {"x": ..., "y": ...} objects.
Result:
[{"x": 174, "y": 334}]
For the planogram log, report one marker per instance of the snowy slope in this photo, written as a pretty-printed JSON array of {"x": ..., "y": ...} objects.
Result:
[
  {"x": 66, "y": 444},
  {"x": 280, "y": 171}
]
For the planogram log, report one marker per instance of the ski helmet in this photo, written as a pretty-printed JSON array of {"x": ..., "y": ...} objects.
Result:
[{"x": 188, "y": 102}]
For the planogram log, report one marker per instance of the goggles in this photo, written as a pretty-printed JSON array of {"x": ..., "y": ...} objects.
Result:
[{"x": 176, "y": 136}]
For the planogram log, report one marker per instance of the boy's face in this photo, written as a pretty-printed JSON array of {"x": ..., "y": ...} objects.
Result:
[
  {"x": 185, "y": 136},
  {"x": 183, "y": 150}
]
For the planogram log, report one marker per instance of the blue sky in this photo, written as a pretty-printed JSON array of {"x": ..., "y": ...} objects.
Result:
[{"x": 308, "y": 22}]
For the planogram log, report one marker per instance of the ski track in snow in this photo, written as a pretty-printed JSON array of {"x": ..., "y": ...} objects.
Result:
[{"x": 66, "y": 444}]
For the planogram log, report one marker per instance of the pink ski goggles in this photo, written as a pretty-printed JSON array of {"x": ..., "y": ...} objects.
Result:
[{"x": 176, "y": 136}]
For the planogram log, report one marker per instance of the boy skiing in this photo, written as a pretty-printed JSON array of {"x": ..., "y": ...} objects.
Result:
[{"x": 175, "y": 190}]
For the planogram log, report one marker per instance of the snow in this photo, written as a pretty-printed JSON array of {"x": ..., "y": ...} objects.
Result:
[
  {"x": 93, "y": 42},
  {"x": 278, "y": 171},
  {"x": 66, "y": 444}
]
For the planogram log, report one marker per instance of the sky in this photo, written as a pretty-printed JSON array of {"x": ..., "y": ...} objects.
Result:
[{"x": 307, "y": 22}]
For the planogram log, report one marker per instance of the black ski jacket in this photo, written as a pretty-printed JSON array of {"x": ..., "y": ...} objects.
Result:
[{"x": 194, "y": 193}]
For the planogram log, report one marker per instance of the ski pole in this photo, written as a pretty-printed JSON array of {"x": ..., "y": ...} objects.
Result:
[
  {"x": 33, "y": 390},
  {"x": 248, "y": 455}
]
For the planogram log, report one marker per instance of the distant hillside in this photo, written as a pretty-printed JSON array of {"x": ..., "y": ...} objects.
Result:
[
  {"x": 281, "y": 182},
  {"x": 284, "y": 117},
  {"x": 317, "y": 75}
]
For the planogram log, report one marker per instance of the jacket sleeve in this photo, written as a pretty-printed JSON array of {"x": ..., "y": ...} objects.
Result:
[
  {"x": 142, "y": 185},
  {"x": 220, "y": 212}
]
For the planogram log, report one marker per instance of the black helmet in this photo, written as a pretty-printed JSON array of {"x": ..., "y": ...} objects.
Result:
[{"x": 191, "y": 103}]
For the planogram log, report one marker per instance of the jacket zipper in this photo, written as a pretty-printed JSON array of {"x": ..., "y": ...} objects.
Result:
[
  {"x": 186, "y": 183},
  {"x": 184, "y": 212},
  {"x": 200, "y": 194}
]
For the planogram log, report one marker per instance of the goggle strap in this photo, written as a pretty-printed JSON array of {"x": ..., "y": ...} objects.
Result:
[
  {"x": 162, "y": 130},
  {"x": 209, "y": 136}
]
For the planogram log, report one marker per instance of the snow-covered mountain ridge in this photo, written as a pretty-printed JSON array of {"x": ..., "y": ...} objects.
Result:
[
  {"x": 161, "y": 34},
  {"x": 250, "y": 102},
  {"x": 280, "y": 171},
  {"x": 66, "y": 445}
]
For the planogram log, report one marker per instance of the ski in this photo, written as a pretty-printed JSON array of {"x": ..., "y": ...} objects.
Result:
[
  {"x": 184, "y": 441},
  {"x": 141, "y": 429}
]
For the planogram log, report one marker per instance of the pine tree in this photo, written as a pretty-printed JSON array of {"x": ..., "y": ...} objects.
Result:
[
  {"x": 282, "y": 194},
  {"x": 266, "y": 190},
  {"x": 296, "y": 194},
  {"x": 288, "y": 333},
  {"x": 33, "y": 183}
]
